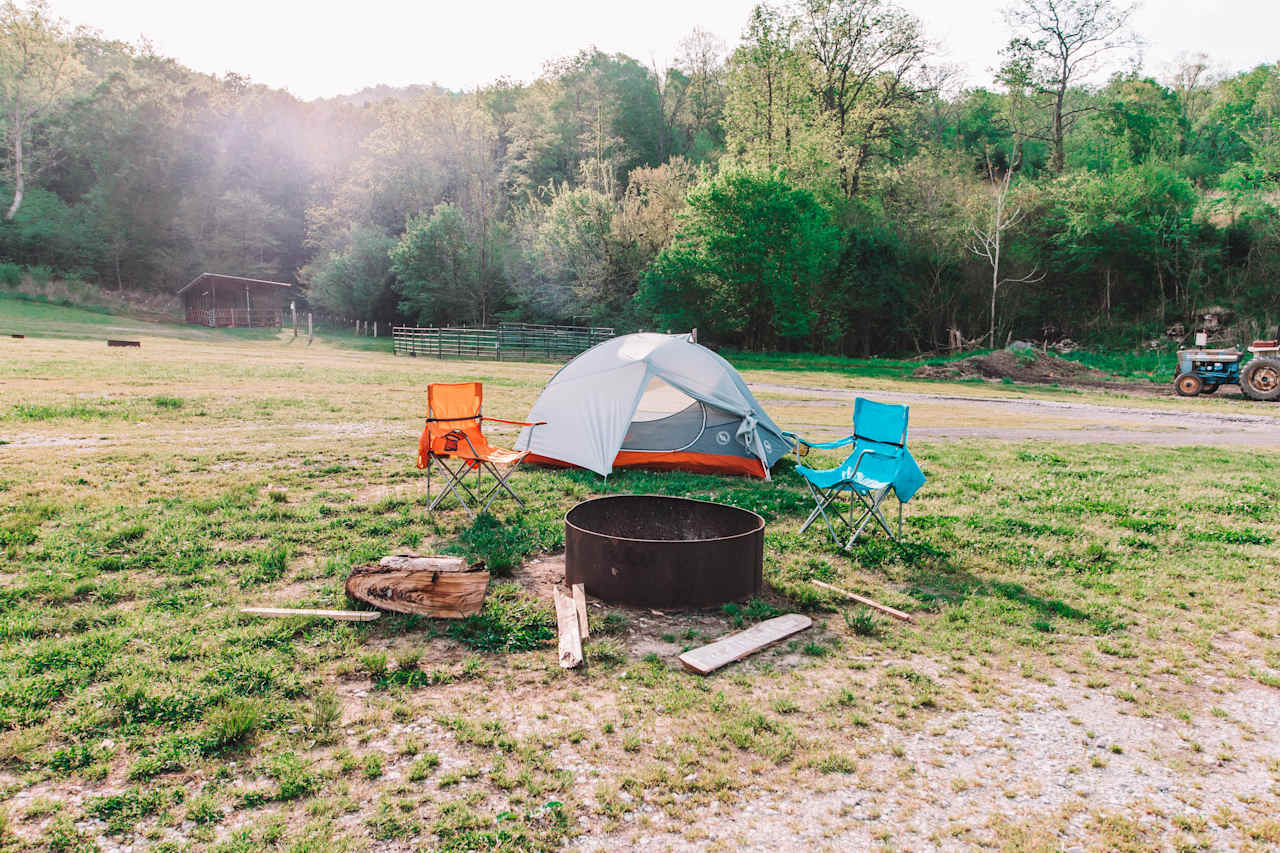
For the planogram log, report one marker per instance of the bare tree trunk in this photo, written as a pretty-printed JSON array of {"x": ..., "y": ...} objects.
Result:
[
  {"x": 1059, "y": 156},
  {"x": 19, "y": 182},
  {"x": 995, "y": 287}
]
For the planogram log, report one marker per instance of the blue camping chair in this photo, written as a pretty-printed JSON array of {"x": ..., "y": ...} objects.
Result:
[{"x": 878, "y": 464}]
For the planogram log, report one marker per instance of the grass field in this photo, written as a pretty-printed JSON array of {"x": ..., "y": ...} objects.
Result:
[{"x": 1097, "y": 660}]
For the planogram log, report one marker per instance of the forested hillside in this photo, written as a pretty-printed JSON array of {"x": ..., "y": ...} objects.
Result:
[{"x": 822, "y": 185}]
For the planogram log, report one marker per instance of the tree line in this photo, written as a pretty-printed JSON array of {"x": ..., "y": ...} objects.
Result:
[{"x": 822, "y": 185}]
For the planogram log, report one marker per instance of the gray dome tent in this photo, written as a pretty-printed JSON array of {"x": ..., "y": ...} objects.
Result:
[{"x": 652, "y": 401}]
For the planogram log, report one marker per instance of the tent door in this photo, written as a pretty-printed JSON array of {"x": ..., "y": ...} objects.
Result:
[{"x": 667, "y": 420}]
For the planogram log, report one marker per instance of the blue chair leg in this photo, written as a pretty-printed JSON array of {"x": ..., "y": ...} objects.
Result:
[
  {"x": 871, "y": 510},
  {"x": 822, "y": 500}
]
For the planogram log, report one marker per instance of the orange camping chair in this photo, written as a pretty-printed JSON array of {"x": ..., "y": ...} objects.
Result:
[{"x": 453, "y": 434}]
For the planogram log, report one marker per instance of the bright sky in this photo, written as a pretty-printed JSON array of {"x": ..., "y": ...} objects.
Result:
[{"x": 321, "y": 47}]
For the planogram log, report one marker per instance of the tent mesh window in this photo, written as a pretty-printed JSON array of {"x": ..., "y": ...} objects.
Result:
[{"x": 667, "y": 420}]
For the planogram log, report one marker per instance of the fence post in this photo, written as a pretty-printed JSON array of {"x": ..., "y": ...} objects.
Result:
[
  {"x": 308, "y": 328},
  {"x": 375, "y": 328}
]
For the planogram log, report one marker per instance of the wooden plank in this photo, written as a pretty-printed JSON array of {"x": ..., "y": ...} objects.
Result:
[
  {"x": 567, "y": 622},
  {"x": 580, "y": 604},
  {"x": 114, "y": 343},
  {"x": 443, "y": 595},
  {"x": 286, "y": 612},
  {"x": 424, "y": 563},
  {"x": 874, "y": 605},
  {"x": 726, "y": 650}
]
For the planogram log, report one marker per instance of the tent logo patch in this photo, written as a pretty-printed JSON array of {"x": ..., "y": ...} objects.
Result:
[{"x": 722, "y": 437}]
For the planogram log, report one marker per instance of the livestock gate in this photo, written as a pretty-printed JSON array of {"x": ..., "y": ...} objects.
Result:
[{"x": 507, "y": 342}]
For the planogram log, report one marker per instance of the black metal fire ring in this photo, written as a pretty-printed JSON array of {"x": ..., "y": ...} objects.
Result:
[{"x": 664, "y": 552}]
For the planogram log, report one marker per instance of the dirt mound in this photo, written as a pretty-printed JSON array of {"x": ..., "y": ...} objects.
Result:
[{"x": 1028, "y": 366}]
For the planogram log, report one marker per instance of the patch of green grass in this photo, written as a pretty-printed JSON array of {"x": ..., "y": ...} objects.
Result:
[
  {"x": 265, "y": 566},
  {"x": 122, "y": 812},
  {"x": 503, "y": 544},
  {"x": 512, "y": 620}
]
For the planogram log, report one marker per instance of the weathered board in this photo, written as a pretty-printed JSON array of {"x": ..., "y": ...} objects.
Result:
[
  {"x": 115, "y": 343},
  {"x": 567, "y": 622},
  {"x": 580, "y": 604},
  {"x": 424, "y": 563},
  {"x": 726, "y": 650},
  {"x": 286, "y": 612},
  {"x": 443, "y": 595}
]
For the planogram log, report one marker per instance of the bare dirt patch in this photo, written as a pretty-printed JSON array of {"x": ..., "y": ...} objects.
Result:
[{"x": 1029, "y": 367}]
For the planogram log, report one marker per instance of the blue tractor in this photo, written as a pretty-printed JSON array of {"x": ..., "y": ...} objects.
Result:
[{"x": 1203, "y": 371}]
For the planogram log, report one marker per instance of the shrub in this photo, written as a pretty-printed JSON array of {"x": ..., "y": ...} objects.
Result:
[{"x": 10, "y": 274}]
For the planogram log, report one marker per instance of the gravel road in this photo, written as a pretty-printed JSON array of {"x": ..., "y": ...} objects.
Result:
[{"x": 1255, "y": 425}]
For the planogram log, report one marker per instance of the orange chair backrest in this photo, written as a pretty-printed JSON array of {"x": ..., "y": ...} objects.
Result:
[{"x": 453, "y": 408}]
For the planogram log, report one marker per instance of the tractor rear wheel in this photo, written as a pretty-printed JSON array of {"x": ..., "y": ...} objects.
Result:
[
  {"x": 1188, "y": 385},
  {"x": 1260, "y": 379}
]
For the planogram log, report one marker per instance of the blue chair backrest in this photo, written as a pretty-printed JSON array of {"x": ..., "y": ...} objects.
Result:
[{"x": 882, "y": 423}]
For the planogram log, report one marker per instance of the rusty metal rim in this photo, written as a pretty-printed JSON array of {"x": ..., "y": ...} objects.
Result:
[{"x": 758, "y": 528}]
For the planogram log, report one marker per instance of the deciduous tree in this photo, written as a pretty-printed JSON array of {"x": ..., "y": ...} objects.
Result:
[{"x": 38, "y": 68}]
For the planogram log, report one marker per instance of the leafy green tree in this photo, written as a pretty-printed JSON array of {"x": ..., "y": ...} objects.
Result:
[
  {"x": 1135, "y": 120},
  {"x": 1056, "y": 45},
  {"x": 747, "y": 258},
  {"x": 38, "y": 69},
  {"x": 355, "y": 282},
  {"x": 441, "y": 275}
]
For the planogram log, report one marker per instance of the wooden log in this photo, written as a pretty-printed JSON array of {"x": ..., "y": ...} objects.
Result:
[
  {"x": 726, "y": 650},
  {"x": 443, "y": 595},
  {"x": 580, "y": 605},
  {"x": 424, "y": 563},
  {"x": 115, "y": 343},
  {"x": 286, "y": 612},
  {"x": 567, "y": 622},
  {"x": 15, "y": 335},
  {"x": 874, "y": 605}
]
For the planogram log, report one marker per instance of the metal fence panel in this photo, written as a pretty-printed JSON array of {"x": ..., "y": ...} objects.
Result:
[{"x": 507, "y": 342}]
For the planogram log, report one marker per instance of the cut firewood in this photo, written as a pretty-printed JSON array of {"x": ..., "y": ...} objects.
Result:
[
  {"x": 874, "y": 605},
  {"x": 443, "y": 595},
  {"x": 424, "y": 563},
  {"x": 726, "y": 650},
  {"x": 567, "y": 622},
  {"x": 580, "y": 604},
  {"x": 285, "y": 612}
]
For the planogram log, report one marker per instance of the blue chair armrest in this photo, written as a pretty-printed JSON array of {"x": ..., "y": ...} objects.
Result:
[{"x": 824, "y": 445}]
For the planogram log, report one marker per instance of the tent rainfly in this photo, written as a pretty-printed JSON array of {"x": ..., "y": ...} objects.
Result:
[{"x": 652, "y": 401}]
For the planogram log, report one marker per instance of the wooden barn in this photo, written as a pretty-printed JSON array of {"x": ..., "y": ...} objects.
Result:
[{"x": 230, "y": 300}]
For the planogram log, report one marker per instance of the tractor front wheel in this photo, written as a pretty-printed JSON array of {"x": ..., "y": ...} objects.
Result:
[
  {"x": 1188, "y": 385},
  {"x": 1260, "y": 379}
]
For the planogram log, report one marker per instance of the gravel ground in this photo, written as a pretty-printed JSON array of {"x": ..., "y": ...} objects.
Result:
[{"x": 1099, "y": 422}]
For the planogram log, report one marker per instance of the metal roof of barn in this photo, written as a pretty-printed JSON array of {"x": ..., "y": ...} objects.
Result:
[{"x": 219, "y": 278}]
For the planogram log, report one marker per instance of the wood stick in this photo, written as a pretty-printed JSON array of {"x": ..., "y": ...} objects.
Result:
[
  {"x": 580, "y": 604},
  {"x": 874, "y": 605},
  {"x": 567, "y": 621},
  {"x": 285, "y": 612},
  {"x": 707, "y": 659}
]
